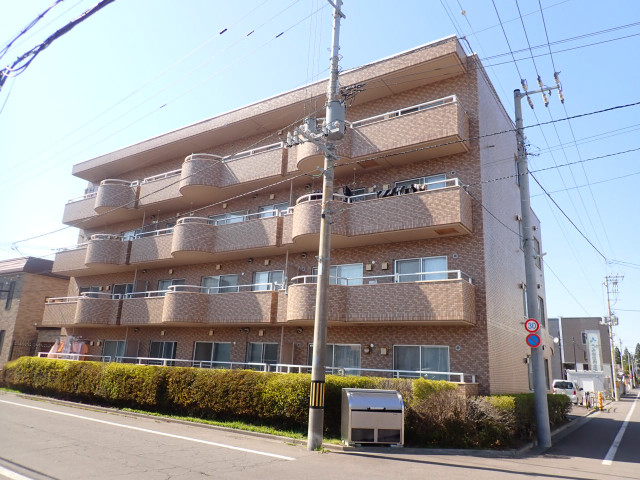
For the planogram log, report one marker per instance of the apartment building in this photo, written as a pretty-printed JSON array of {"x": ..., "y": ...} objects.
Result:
[
  {"x": 24, "y": 285},
  {"x": 201, "y": 244}
]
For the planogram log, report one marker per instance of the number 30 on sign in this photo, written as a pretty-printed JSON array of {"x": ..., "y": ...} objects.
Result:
[{"x": 531, "y": 325}]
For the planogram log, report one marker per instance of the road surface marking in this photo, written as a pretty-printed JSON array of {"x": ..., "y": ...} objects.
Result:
[
  {"x": 12, "y": 475},
  {"x": 608, "y": 459},
  {"x": 155, "y": 432}
]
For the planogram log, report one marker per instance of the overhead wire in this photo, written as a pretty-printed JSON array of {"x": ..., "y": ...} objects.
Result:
[{"x": 173, "y": 99}]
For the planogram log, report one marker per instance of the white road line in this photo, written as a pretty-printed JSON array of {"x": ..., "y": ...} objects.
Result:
[
  {"x": 608, "y": 459},
  {"x": 155, "y": 432},
  {"x": 5, "y": 472}
]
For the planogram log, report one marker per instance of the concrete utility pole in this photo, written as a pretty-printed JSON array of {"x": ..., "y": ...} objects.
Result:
[
  {"x": 537, "y": 357},
  {"x": 333, "y": 131},
  {"x": 611, "y": 282}
]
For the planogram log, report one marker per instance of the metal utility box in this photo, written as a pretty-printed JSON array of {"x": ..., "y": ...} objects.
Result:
[{"x": 372, "y": 416}]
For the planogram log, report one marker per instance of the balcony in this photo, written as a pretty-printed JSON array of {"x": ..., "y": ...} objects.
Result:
[
  {"x": 79, "y": 209},
  {"x": 190, "y": 304},
  {"x": 388, "y": 299},
  {"x": 162, "y": 189},
  {"x": 199, "y": 239},
  {"x": 86, "y": 310},
  {"x": 115, "y": 201},
  {"x": 204, "y": 175},
  {"x": 437, "y": 128},
  {"x": 102, "y": 254},
  {"x": 152, "y": 247},
  {"x": 143, "y": 308},
  {"x": 442, "y": 209}
]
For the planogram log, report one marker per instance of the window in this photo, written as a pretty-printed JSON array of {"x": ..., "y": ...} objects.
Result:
[
  {"x": 211, "y": 354},
  {"x": 163, "y": 285},
  {"x": 164, "y": 350},
  {"x": 220, "y": 284},
  {"x": 426, "y": 268},
  {"x": 1, "y": 339},
  {"x": 226, "y": 218},
  {"x": 113, "y": 349},
  {"x": 521, "y": 233},
  {"x": 525, "y": 305},
  {"x": 341, "y": 356},
  {"x": 267, "y": 280},
  {"x": 432, "y": 182},
  {"x": 350, "y": 274},
  {"x": 543, "y": 316},
  {"x": 130, "y": 235},
  {"x": 536, "y": 250},
  {"x": 421, "y": 358},
  {"x": 262, "y": 353},
  {"x": 121, "y": 289},
  {"x": 274, "y": 210},
  {"x": 7, "y": 289},
  {"x": 89, "y": 291}
]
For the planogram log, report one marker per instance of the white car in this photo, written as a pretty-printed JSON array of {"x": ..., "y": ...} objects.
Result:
[{"x": 570, "y": 389}]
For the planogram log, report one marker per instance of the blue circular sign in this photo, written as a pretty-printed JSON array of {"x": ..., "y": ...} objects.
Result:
[{"x": 533, "y": 340}]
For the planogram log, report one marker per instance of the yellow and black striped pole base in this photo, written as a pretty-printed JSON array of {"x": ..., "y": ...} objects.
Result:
[{"x": 316, "y": 399}]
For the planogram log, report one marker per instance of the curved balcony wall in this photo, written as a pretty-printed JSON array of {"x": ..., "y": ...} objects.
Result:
[
  {"x": 116, "y": 194},
  {"x": 142, "y": 311},
  {"x": 447, "y": 302},
  {"x": 308, "y": 156},
  {"x": 107, "y": 251},
  {"x": 82, "y": 311},
  {"x": 186, "y": 307},
  {"x": 234, "y": 308},
  {"x": 301, "y": 302},
  {"x": 196, "y": 237},
  {"x": 202, "y": 174},
  {"x": 428, "y": 214},
  {"x": 70, "y": 262}
]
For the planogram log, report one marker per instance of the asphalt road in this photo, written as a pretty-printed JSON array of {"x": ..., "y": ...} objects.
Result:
[{"x": 42, "y": 440}]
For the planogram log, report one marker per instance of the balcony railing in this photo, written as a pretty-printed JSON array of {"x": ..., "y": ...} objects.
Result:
[
  {"x": 115, "y": 181},
  {"x": 405, "y": 111},
  {"x": 155, "y": 233},
  {"x": 162, "y": 176},
  {"x": 454, "y": 377},
  {"x": 77, "y": 246},
  {"x": 393, "y": 278},
  {"x": 74, "y": 299},
  {"x": 233, "y": 219},
  {"x": 254, "y": 151},
  {"x": 253, "y": 287},
  {"x": 83, "y": 197},
  {"x": 418, "y": 187}
]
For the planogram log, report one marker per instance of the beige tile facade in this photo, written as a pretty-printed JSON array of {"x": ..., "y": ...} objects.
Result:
[{"x": 476, "y": 312}]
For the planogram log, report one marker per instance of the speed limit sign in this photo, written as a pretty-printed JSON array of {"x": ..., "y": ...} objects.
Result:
[{"x": 531, "y": 325}]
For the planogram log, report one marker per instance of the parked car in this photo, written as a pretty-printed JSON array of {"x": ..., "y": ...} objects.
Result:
[{"x": 570, "y": 389}]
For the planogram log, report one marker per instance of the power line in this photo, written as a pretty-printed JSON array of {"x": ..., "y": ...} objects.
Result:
[
  {"x": 27, "y": 28},
  {"x": 568, "y": 218},
  {"x": 173, "y": 99},
  {"x": 507, "y": 39},
  {"x": 23, "y": 61},
  {"x": 621, "y": 177}
]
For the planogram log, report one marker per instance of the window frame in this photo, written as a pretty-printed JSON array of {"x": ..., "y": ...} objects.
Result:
[
  {"x": 262, "y": 355},
  {"x": 335, "y": 279},
  {"x": 279, "y": 207},
  {"x": 219, "y": 289},
  {"x": 241, "y": 214},
  {"x": 173, "y": 281},
  {"x": 422, "y": 273},
  {"x": 214, "y": 349},
  {"x": 161, "y": 360},
  {"x": 274, "y": 285},
  {"x": 419, "y": 372},
  {"x": 332, "y": 364},
  {"x": 424, "y": 180}
]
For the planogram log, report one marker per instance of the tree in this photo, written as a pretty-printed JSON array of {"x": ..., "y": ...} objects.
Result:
[
  {"x": 618, "y": 358},
  {"x": 627, "y": 360},
  {"x": 637, "y": 352}
]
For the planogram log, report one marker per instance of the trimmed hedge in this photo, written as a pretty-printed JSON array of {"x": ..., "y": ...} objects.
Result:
[{"x": 435, "y": 413}]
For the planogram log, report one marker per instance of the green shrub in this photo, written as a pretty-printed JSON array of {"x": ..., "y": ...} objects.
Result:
[{"x": 435, "y": 413}]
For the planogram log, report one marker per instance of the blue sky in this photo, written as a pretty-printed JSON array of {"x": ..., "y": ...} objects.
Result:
[{"x": 138, "y": 69}]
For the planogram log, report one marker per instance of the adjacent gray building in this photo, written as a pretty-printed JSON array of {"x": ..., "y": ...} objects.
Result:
[{"x": 580, "y": 343}]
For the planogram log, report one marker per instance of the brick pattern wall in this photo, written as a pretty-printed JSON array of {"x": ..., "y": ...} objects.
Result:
[
  {"x": 439, "y": 303},
  {"x": 142, "y": 311},
  {"x": 26, "y": 309},
  {"x": 70, "y": 260},
  {"x": 149, "y": 249},
  {"x": 115, "y": 195},
  {"x": 84, "y": 311},
  {"x": 79, "y": 210},
  {"x": 59, "y": 314},
  {"x": 159, "y": 191},
  {"x": 108, "y": 251},
  {"x": 255, "y": 233}
]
